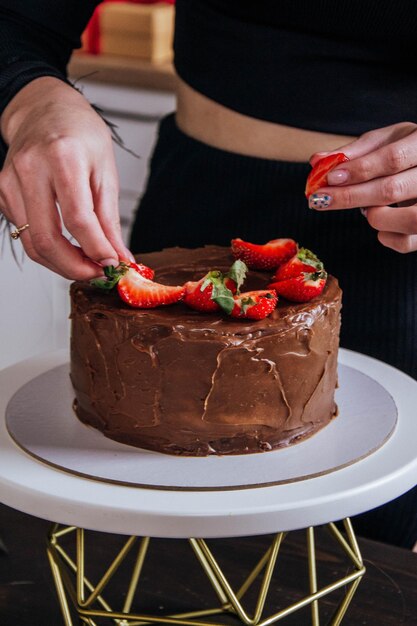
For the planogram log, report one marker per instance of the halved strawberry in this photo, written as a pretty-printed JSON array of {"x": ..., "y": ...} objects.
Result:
[
  {"x": 264, "y": 257},
  {"x": 301, "y": 288},
  {"x": 214, "y": 288},
  {"x": 318, "y": 175},
  {"x": 254, "y": 305},
  {"x": 143, "y": 270},
  {"x": 113, "y": 274},
  {"x": 303, "y": 261},
  {"x": 143, "y": 293}
]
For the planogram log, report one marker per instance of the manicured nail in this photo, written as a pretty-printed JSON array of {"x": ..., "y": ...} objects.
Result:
[
  {"x": 105, "y": 262},
  {"x": 337, "y": 177},
  {"x": 363, "y": 211},
  {"x": 319, "y": 201}
]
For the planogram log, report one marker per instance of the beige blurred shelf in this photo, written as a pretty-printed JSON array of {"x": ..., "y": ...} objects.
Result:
[{"x": 110, "y": 69}]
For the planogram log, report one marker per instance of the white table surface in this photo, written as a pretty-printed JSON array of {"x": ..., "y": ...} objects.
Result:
[{"x": 38, "y": 489}]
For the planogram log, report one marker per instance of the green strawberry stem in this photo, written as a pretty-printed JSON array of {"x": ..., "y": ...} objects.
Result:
[
  {"x": 112, "y": 276},
  {"x": 222, "y": 294}
]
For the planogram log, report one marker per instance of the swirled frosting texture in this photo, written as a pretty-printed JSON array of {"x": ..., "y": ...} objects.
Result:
[{"x": 181, "y": 382}]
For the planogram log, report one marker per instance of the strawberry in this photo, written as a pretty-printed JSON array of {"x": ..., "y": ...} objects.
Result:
[
  {"x": 301, "y": 288},
  {"x": 318, "y": 175},
  {"x": 264, "y": 257},
  {"x": 215, "y": 288},
  {"x": 113, "y": 274},
  {"x": 143, "y": 270},
  {"x": 254, "y": 305},
  {"x": 143, "y": 293},
  {"x": 303, "y": 261}
]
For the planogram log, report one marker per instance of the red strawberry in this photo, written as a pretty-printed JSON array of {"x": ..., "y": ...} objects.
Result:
[
  {"x": 113, "y": 274},
  {"x": 215, "y": 289},
  {"x": 254, "y": 305},
  {"x": 143, "y": 293},
  {"x": 303, "y": 261},
  {"x": 301, "y": 288},
  {"x": 199, "y": 293},
  {"x": 143, "y": 270},
  {"x": 318, "y": 175},
  {"x": 264, "y": 257}
]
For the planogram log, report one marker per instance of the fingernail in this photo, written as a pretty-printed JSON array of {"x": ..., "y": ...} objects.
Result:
[
  {"x": 319, "y": 201},
  {"x": 363, "y": 211},
  {"x": 105, "y": 262},
  {"x": 337, "y": 177}
]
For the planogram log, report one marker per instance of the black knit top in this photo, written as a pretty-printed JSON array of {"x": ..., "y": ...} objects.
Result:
[{"x": 341, "y": 67}]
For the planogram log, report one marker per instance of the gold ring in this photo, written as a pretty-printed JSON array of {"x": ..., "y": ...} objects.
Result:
[{"x": 15, "y": 234}]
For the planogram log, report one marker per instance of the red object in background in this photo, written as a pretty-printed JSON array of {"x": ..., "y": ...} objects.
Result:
[{"x": 92, "y": 32}]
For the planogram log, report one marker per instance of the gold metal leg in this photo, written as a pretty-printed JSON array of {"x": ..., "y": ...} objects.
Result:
[
  {"x": 87, "y": 599},
  {"x": 312, "y": 574}
]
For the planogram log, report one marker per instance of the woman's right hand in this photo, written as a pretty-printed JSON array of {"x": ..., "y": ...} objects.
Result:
[{"x": 60, "y": 152}]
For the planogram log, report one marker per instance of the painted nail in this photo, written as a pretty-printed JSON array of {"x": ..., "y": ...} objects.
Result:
[
  {"x": 319, "y": 201},
  {"x": 105, "y": 262},
  {"x": 337, "y": 177},
  {"x": 363, "y": 211}
]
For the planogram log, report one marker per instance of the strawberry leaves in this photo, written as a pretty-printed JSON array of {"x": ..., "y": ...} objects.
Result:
[
  {"x": 215, "y": 290},
  {"x": 112, "y": 276}
]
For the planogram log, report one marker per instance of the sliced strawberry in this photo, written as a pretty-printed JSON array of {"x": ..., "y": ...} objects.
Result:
[
  {"x": 143, "y": 270},
  {"x": 318, "y": 175},
  {"x": 199, "y": 293},
  {"x": 264, "y": 257},
  {"x": 143, "y": 293},
  {"x": 254, "y": 305},
  {"x": 113, "y": 274},
  {"x": 303, "y": 261},
  {"x": 215, "y": 288},
  {"x": 301, "y": 288}
]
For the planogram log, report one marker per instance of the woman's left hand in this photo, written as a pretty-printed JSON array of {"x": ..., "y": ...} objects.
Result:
[{"x": 381, "y": 172}]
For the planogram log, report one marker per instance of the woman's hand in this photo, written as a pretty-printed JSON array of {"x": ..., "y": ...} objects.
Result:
[
  {"x": 381, "y": 171},
  {"x": 60, "y": 152}
]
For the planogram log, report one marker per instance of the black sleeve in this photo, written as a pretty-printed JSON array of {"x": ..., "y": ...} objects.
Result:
[{"x": 37, "y": 38}]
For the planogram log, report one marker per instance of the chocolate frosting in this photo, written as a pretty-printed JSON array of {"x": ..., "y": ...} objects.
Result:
[{"x": 182, "y": 382}]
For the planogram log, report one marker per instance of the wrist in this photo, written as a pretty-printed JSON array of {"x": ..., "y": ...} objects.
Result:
[{"x": 37, "y": 95}]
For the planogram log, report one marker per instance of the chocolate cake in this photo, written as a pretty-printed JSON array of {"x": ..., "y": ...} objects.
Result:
[{"x": 178, "y": 381}]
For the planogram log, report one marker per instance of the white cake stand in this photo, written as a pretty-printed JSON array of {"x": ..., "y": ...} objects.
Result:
[{"x": 34, "y": 487}]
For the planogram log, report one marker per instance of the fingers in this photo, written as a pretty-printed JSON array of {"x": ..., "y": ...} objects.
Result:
[
  {"x": 400, "y": 220},
  {"x": 75, "y": 199},
  {"x": 398, "y": 242},
  {"x": 390, "y": 159},
  {"x": 12, "y": 206},
  {"x": 370, "y": 141},
  {"x": 380, "y": 191},
  {"x": 43, "y": 241},
  {"x": 106, "y": 204},
  {"x": 396, "y": 225}
]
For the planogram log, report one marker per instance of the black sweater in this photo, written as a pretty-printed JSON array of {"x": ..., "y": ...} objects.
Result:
[{"x": 341, "y": 67}]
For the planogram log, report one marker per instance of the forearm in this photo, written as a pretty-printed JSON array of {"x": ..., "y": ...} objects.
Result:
[{"x": 37, "y": 38}]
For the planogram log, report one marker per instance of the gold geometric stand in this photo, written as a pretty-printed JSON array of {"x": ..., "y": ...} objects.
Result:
[{"x": 92, "y": 608}]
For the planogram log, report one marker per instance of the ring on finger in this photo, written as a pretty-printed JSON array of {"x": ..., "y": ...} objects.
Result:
[{"x": 15, "y": 234}]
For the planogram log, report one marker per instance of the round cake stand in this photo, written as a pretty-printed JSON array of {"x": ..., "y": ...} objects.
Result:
[{"x": 77, "y": 503}]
